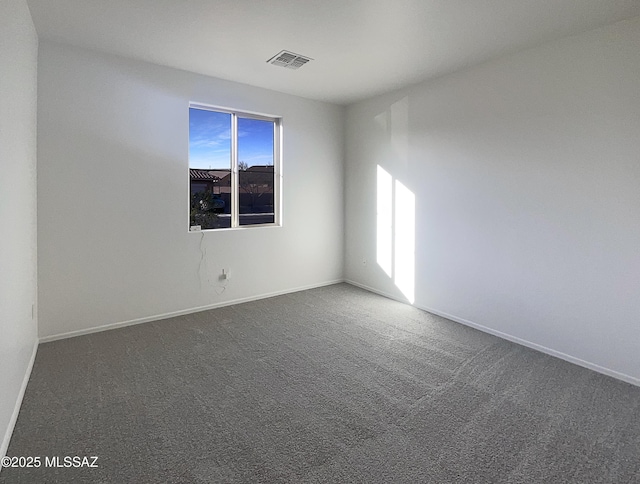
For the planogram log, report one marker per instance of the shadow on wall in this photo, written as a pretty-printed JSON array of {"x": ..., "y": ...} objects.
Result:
[{"x": 395, "y": 204}]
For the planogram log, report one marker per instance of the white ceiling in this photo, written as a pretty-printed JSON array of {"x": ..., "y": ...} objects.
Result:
[{"x": 360, "y": 47}]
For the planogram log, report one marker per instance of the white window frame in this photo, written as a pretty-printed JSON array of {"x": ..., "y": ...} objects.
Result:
[{"x": 235, "y": 189}]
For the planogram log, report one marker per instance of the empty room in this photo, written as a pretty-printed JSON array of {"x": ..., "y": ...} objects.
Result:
[{"x": 320, "y": 241}]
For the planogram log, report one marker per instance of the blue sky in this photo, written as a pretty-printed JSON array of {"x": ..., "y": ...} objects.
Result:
[{"x": 210, "y": 140}]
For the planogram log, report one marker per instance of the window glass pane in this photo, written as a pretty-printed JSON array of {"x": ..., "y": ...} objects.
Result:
[
  {"x": 210, "y": 168},
  {"x": 255, "y": 171}
]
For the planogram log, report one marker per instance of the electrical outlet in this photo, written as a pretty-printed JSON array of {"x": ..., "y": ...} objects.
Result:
[{"x": 195, "y": 228}]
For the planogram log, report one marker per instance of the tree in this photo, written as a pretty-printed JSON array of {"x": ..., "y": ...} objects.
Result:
[{"x": 202, "y": 210}]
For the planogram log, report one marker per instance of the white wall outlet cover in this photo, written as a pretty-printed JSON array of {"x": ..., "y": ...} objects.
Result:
[{"x": 195, "y": 228}]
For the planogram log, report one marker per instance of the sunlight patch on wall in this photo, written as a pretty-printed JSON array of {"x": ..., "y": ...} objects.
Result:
[
  {"x": 396, "y": 219},
  {"x": 404, "y": 241}
]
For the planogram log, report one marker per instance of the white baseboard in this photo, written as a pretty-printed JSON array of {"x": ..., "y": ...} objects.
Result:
[
  {"x": 18, "y": 404},
  {"x": 106, "y": 327},
  {"x": 514, "y": 339}
]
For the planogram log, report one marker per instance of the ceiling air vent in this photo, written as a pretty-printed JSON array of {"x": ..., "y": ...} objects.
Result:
[{"x": 289, "y": 60}]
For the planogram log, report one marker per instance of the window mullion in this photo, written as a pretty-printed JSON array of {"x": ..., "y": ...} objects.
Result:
[{"x": 235, "y": 196}]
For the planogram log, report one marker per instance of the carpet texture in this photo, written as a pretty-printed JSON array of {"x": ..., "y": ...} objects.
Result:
[{"x": 333, "y": 384}]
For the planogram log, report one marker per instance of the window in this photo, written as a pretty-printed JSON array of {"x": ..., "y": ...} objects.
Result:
[{"x": 234, "y": 169}]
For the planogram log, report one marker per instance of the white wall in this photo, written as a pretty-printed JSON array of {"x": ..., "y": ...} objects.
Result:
[
  {"x": 113, "y": 199},
  {"x": 18, "y": 72},
  {"x": 526, "y": 176}
]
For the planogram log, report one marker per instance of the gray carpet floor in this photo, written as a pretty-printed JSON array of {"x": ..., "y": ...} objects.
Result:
[{"x": 333, "y": 384}]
